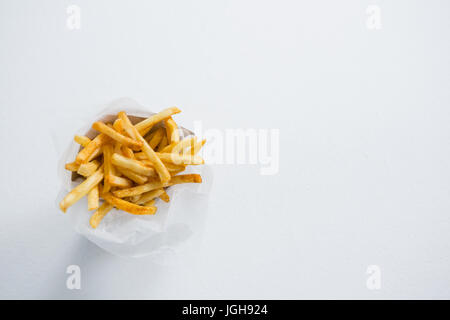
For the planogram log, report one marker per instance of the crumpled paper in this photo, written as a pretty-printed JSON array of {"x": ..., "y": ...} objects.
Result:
[{"x": 171, "y": 229}]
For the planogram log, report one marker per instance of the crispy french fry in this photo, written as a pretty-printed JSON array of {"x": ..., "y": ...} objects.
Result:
[
  {"x": 145, "y": 125},
  {"x": 85, "y": 154},
  {"x": 82, "y": 140},
  {"x": 172, "y": 130},
  {"x": 72, "y": 166},
  {"x": 81, "y": 190},
  {"x": 100, "y": 214},
  {"x": 134, "y": 199},
  {"x": 180, "y": 158},
  {"x": 132, "y": 164},
  {"x": 197, "y": 146},
  {"x": 127, "y": 152},
  {"x": 113, "y": 134},
  {"x": 128, "y": 206},
  {"x": 155, "y": 184},
  {"x": 164, "y": 197},
  {"x": 162, "y": 144},
  {"x": 97, "y": 152},
  {"x": 150, "y": 203},
  {"x": 115, "y": 181},
  {"x": 145, "y": 197},
  {"x": 175, "y": 172},
  {"x": 162, "y": 171},
  {"x": 86, "y": 169},
  {"x": 118, "y": 126},
  {"x": 168, "y": 148},
  {"x": 156, "y": 138},
  {"x": 132, "y": 175},
  {"x": 183, "y": 145},
  {"x": 107, "y": 166},
  {"x": 92, "y": 198},
  {"x": 117, "y": 147},
  {"x": 140, "y": 156}
]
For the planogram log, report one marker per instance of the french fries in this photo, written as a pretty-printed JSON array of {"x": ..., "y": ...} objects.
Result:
[
  {"x": 127, "y": 206},
  {"x": 115, "y": 181},
  {"x": 103, "y": 128},
  {"x": 164, "y": 196},
  {"x": 81, "y": 190},
  {"x": 82, "y": 140},
  {"x": 91, "y": 148},
  {"x": 163, "y": 173},
  {"x": 156, "y": 138},
  {"x": 133, "y": 165},
  {"x": 86, "y": 169},
  {"x": 132, "y": 175},
  {"x": 93, "y": 197},
  {"x": 122, "y": 168},
  {"x": 156, "y": 184},
  {"x": 107, "y": 153},
  {"x": 146, "y": 197},
  {"x": 145, "y": 125},
  {"x": 180, "y": 158},
  {"x": 100, "y": 214},
  {"x": 172, "y": 130},
  {"x": 72, "y": 166}
]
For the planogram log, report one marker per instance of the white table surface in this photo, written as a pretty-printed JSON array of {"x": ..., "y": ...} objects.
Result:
[{"x": 364, "y": 175}]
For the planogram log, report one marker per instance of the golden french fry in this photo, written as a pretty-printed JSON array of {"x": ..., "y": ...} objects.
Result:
[
  {"x": 86, "y": 169},
  {"x": 82, "y": 140},
  {"x": 156, "y": 138},
  {"x": 72, "y": 166},
  {"x": 145, "y": 125},
  {"x": 132, "y": 175},
  {"x": 197, "y": 146},
  {"x": 172, "y": 130},
  {"x": 100, "y": 214},
  {"x": 81, "y": 190},
  {"x": 97, "y": 152},
  {"x": 183, "y": 145},
  {"x": 180, "y": 158},
  {"x": 115, "y": 181},
  {"x": 150, "y": 203},
  {"x": 107, "y": 165},
  {"x": 162, "y": 171},
  {"x": 164, "y": 197},
  {"x": 127, "y": 152},
  {"x": 118, "y": 126},
  {"x": 155, "y": 184},
  {"x": 140, "y": 156},
  {"x": 175, "y": 172},
  {"x": 85, "y": 154},
  {"x": 113, "y": 134},
  {"x": 132, "y": 165},
  {"x": 92, "y": 198},
  {"x": 168, "y": 148},
  {"x": 134, "y": 199},
  {"x": 162, "y": 144},
  {"x": 145, "y": 197},
  {"x": 128, "y": 206}
]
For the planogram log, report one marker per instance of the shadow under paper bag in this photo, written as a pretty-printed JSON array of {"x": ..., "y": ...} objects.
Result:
[{"x": 168, "y": 231}]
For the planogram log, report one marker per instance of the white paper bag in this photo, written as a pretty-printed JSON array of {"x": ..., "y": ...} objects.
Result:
[{"x": 173, "y": 226}]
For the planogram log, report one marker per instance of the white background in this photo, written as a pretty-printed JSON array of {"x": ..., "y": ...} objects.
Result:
[{"x": 364, "y": 143}]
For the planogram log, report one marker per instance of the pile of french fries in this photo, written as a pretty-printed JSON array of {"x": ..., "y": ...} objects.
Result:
[{"x": 129, "y": 166}]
